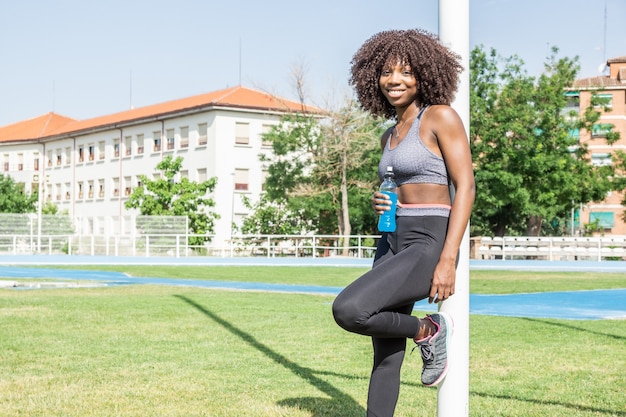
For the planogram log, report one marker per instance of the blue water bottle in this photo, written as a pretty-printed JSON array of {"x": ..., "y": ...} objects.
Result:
[{"x": 387, "y": 220}]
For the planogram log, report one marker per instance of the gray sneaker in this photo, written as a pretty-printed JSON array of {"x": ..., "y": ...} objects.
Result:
[{"x": 434, "y": 349}]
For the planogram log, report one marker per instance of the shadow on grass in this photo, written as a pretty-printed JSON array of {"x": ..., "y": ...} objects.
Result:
[
  {"x": 573, "y": 407},
  {"x": 569, "y": 326},
  {"x": 339, "y": 403}
]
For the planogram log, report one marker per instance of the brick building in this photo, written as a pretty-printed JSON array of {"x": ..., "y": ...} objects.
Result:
[{"x": 609, "y": 212}]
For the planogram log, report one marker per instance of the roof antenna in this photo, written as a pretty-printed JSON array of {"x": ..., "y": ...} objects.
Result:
[
  {"x": 604, "y": 41},
  {"x": 603, "y": 67}
]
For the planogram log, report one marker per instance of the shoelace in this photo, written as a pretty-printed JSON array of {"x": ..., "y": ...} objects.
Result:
[{"x": 425, "y": 351}]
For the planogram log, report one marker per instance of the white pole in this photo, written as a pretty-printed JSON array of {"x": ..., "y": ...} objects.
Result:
[{"x": 453, "y": 394}]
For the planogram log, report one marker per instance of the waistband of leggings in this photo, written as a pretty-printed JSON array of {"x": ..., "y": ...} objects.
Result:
[{"x": 442, "y": 210}]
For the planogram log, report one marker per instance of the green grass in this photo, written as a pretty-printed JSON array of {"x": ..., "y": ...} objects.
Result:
[
  {"x": 169, "y": 351},
  {"x": 482, "y": 282}
]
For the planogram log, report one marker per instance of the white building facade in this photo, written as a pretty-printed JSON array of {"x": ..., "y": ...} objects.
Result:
[{"x": 89, "y": 168}]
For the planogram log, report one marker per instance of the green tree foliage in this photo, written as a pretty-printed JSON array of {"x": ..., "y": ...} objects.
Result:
[
  {"x": 619, "y": 162},
  {"x": 321, "y": 175},
  {"x": 273, "y": 218},
  {"x": 166, "y": 197},
  {"x": 13, "y": 199},
  {"x": 529, "y": 166}
]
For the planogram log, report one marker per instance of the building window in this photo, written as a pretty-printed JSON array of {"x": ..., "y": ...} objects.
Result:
[
  {"x": 263, "y": 178},
  {"x": 92, "y": 152},
  {"x": 242, "y": 133},
  {"x": 605, "y": 99},
  {"x": 157, "y": 141},
  {"x": 101, "y": 150},
  {"x": 202, "y": 175},
  {"x": 116, "y": 148},
  {"x": 184, "y": 174},
  {"x": 5, "y": 162},
  {"x": 128, "y": 146},
  {"x": 169, "y": 134},
  {"x": 67, "y": 190},
  {"x": 20, "y": 162},
  {"x": 100, "y": 188},
  {"x": 265, "y": 130},
  {"x": 600, "y": 130},
  {"x": 90, "y": 189},
  {"x": 68, "y": 155},
  {"x": 241, "y": 179},
  {"x": 202, "y": 134},
  {"x": 59, "y": 156},
  {"x": 184, "y": 137},
  {"x": 116, "y": 187},
  {"x": 605, "y": 220},
  {"x": 601, "y": 159},
  {"x": 81, "y": 154},
  {"x": 36, "y": 162},
  {"x": 127, "y": 187},
  {"x": 79, "y": 186},
  {"x": 50, "y": 158},
  {"x": 140, "y": 144}
]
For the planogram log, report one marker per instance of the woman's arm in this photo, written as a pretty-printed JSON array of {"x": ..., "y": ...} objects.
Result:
[{"x": 452, "y": 140}]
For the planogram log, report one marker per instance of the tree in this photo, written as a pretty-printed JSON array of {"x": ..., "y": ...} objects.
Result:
[
  {"x": 13, "y": 199},
  {"x": 346, "y": 168},
  {"x": 322, "y": 174},
  {"x": 273, "y": 218},
  {"x": 619, "y": 161},
  {"x": 166, "y": 197},
  {"x": 529, "y": 167}
]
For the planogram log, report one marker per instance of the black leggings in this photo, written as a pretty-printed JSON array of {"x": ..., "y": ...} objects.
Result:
[{"x": 380, "y": 302}]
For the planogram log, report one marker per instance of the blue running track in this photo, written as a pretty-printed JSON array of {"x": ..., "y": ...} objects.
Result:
[{"x": 572, "y": 305}]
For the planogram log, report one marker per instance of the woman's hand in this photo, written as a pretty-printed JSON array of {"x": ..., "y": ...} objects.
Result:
[
  {"x": 442, "y": 285},
  {"x": 381, "y": 202}
]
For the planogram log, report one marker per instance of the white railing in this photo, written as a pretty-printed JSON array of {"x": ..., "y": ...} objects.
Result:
[
  {"x": 305, "y": 246},
  {"x": 551, "y": 248},
  {"x": 177, "y": 245}
]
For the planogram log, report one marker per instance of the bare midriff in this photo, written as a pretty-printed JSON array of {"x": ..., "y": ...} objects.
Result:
[{"x": 424, "y": 194}]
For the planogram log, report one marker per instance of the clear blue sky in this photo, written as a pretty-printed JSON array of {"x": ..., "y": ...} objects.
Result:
[{"x": 78, "y": 57}]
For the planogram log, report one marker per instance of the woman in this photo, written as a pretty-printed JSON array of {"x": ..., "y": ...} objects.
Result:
[{"x": 407, "y": 75}]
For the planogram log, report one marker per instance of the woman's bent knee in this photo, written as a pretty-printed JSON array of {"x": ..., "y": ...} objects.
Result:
[{"x": 348, "y": 315}]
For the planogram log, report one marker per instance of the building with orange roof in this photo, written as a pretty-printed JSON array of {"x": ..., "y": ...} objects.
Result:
[
  {"x": 612, "y": 86},
  {"x": 90, "y": 167}
]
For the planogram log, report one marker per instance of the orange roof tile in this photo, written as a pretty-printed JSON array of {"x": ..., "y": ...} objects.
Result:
[
  {"x": 34, "y": 128},
  {"x": 605, "y": 81},
  {"x": 598, "y": 82},
  {"x": 618, "y": 59},
  {"x": 236, "y": 97}
]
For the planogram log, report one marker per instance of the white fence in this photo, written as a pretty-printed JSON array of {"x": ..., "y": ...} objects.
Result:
[
  {"x": 177, "y": 245},
  {"x": 22, "y": 234},
  {"x": 551, "y": 248}
]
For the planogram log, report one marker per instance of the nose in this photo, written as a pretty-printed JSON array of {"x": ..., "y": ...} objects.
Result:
[{"x": 394, "y": 77}]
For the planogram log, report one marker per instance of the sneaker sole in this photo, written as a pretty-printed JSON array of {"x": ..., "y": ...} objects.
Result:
[{"x": 449, "y": 332}]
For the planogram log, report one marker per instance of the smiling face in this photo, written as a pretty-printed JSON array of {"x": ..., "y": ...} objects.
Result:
[{"x": 398, "y": 84}]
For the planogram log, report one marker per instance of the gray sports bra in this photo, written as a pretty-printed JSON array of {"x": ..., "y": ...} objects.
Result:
[{"x": 412, "y": 161}]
